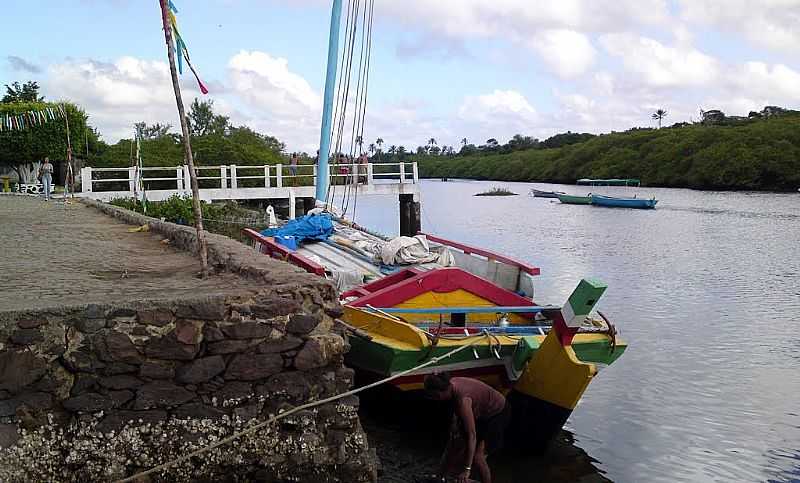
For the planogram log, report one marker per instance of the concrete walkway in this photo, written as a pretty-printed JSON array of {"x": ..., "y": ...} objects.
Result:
[{"x": 54, "y": 254}]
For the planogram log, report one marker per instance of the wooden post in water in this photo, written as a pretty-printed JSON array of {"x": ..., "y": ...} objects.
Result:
[
  {"x": 187, "y": 146},
  {"x": 409, "y": 215}
]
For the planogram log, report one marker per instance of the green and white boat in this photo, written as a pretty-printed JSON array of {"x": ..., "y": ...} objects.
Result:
[{"x": 575, "y": 200}]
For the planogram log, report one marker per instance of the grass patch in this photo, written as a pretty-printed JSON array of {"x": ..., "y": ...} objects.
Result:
[
  {"x": 497, "y": 191},
  {"x": 222, "y": 218}
]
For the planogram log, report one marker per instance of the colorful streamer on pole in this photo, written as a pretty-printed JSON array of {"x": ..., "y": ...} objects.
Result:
[
  {"x": 180, "y": 47},
  {"x": 29, "y": 119}
]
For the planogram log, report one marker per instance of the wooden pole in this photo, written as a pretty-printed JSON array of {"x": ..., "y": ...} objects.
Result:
[{"x": 187, "y": 146}]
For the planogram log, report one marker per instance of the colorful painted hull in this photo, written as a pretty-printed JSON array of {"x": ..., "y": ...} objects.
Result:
[
  {"x": 392, "y": 347},
  {"x": 542, "y": 378},
  {"x": 575, "y": 200},
  {"x": 613, "y": 202}
]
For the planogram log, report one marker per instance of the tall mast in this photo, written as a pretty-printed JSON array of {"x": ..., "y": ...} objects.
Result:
[{"x": 330, "y": 81}]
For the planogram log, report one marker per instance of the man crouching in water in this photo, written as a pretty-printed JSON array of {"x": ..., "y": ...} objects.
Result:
[{"x": 480, "y": 414}]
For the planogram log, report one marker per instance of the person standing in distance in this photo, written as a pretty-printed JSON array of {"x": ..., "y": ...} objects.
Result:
[{"x": 46, "y": 173}]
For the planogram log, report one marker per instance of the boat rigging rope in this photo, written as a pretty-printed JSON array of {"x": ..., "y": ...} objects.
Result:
[
  {"x": 351, "y": 183},
  {"x": 359, "y": 126},
  {"x": 289, "y": 412},
  {"x": 343, "y": 95},
  {"x": 343, "y": 92}
]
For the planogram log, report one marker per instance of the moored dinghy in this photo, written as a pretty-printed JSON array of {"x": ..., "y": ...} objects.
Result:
[
  {"x": 616, "y": 202},
  {"x": 544, "y": 194},
  {"x": 575, "y": 200}
]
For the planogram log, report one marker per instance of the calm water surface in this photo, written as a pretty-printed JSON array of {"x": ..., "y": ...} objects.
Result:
[{"x": 706, "y": 290}]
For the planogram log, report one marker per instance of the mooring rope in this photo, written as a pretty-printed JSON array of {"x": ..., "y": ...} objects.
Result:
[{"x": 284, "y": 414}]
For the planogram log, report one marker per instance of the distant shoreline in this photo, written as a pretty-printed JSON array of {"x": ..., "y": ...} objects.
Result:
[{"x": 461, "y": 178}]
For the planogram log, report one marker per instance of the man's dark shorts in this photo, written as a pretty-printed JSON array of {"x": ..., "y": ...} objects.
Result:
[{"x": 492, "y": 430}]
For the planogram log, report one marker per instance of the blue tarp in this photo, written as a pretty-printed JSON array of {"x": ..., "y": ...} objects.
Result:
[{"x": 308, "y": 227}]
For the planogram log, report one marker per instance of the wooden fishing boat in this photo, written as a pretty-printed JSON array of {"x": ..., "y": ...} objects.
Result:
[
  {"x": 617, "y": 202},
  {"x": 543, "y": 358},
  {"x": 575, "y": 200},
  {"x": 544, "y": 194}
]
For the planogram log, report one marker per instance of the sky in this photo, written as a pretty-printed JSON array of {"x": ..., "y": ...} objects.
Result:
[{"x": 443, "y": 69}]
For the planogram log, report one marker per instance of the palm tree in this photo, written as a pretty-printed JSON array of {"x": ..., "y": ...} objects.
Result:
[
  {"x": 360, "y": 142},
  {"x": 464, "y": 141},
  {"x": 401, "y": 151},
  {"x": 379, "y": 142},
  {"x": 659, "y": 115},
  {"x": 372, "y": 149},
  {"x": 431, "y": 143},
  {"x": 392, "y": 149}
]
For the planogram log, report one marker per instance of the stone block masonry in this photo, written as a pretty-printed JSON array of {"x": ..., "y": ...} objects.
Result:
[{"x": 100, "y": 391}]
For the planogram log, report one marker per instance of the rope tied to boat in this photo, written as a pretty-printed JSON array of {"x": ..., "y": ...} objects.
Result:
[{"x": 296, "y": 409}]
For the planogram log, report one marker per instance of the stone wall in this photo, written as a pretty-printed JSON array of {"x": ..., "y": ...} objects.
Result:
[{"x": 100, "y": 392}]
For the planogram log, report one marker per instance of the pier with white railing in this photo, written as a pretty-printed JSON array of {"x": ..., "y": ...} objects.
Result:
[
  {"x": 232, "y": 182},
  {"x": 276, "y": 181}
]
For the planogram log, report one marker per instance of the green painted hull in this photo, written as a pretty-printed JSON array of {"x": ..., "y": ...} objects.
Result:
[
  {"x": 575, "y": 200},
  {"x": 383, "y": 360}
]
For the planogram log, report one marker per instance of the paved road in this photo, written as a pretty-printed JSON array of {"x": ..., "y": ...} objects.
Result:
[{"x": 53, "y": 254}]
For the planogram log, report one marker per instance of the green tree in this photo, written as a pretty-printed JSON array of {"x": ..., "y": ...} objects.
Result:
[
  {"x": 659, "y": 115},
  {"x": 203, "y": 121},
  {"x": 27, "y": 92},
  {"x": 431, "y": 144},
  {"x": 153, "y": 131},
  {"x": 19, "y": 149}
]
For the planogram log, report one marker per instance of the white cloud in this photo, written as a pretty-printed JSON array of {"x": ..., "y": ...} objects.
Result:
[
  {"x": 566, "y": 52},
  {"x": 117, "y": 95},
  {"x": 499, "y": 114},
  {"x": 275, "y": 99},
  {"x": 507, "y": 106},
  {"x": 659, "y": 65},
  {"x": 558, "y": 32},
  {"x": 776, "y": 81},
  {"x": 268, "y": 82},
  {"x": 768, "y": 23}
]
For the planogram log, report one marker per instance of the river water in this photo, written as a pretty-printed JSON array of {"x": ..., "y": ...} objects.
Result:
[{"x": 705, "y": 289}]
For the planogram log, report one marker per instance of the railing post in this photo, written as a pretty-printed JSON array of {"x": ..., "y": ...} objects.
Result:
[
  {"x": 292, "y": 207},
  {"x": 223, "y": 178},
  {"x": 354, "y": 174},
  {"x": 187, "y": 180},
  {"x": 314, "y": 172},
  {"x": 86, "y": 179},
  {"x": 279, "y": 176},
  {"x": 369, "y": 173},
  {"x": 416, "y": 172},
  {"x": 179, "y": 179},
  {"x": 234, "y": 183},
  {"x": 131, "y": 178},
  {"x": 402, "y": 173},
  {"x": 266, "y": 176}
]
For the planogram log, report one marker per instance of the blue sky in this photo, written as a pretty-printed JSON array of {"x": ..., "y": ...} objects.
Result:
[{"x": 447, "y": 69}]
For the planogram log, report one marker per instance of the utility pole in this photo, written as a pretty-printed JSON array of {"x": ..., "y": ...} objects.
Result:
[{"x": 187, "y": 146}]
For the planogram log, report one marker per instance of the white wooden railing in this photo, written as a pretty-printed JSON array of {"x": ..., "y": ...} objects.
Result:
[{"x": 245, "y": 182}]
